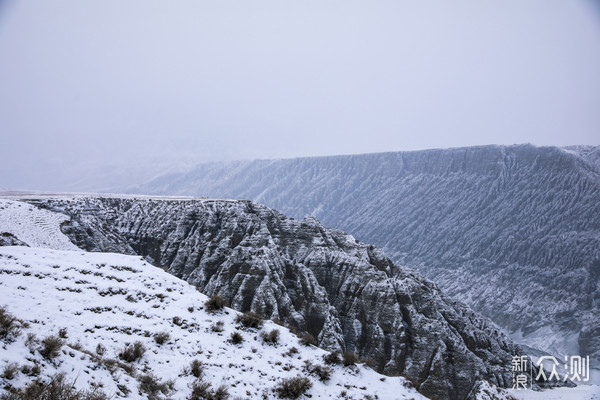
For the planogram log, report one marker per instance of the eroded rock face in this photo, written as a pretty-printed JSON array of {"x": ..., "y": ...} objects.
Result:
[
  {"x": 512, "y": 231},
  {"x": 348, "y": 295}
]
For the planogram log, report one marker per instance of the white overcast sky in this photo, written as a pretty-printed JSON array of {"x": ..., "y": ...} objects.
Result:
[{"x": 96, "y": 83}]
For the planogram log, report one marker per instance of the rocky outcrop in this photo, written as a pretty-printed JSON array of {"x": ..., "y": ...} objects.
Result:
[
  {"x": 349, "y": 295},
  {"x": 8, "y": 239},
  {"x": 513, "y": 231}
]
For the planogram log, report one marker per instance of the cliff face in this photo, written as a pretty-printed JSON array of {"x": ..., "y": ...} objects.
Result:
[
  {"x": 348, "y": 295},
  {"x": 513, "y": 231}
]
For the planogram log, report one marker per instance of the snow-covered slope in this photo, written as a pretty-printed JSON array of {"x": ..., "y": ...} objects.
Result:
[
  {"x": 513, "y": 231},
  {"x": 33, "y": 226},
  {"x": 103, "y": 300}
]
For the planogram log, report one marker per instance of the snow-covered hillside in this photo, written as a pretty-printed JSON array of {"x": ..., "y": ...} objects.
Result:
[
  {"x": 99, "y": 303},
  {"x": 32, "y": 226}
]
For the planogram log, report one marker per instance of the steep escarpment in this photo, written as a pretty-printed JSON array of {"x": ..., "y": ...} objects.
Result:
[
  {"x": 349, "y": 295},
  {"x": 513, "y": 231}
]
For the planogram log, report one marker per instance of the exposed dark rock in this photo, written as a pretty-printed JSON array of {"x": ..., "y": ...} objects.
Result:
[
  {"x": 348, "y": 295},
  {"x": 8, "y": 239}
]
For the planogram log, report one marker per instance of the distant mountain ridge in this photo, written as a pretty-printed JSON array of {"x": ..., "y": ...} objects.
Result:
[{"x": 514, "y": 231}]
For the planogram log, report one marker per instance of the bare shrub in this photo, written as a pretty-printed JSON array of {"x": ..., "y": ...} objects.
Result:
[
  {"x": 271, "y": 337},
  {"x": 31, "y": 342},
  {"x": 321, "y": 371},
  {"x": 62, "y": 333},
  {"x": 10, "y": 371},
  {"x": 10, "y": 326},
  {"x": 112, "y": 364},
  {"x": 215, "y": 303},
  {"x": 153, "y": 386},
  {"x": 221, "y": 393},
  {"x": 332, "y": 358},
  {"x": 291, "y": 351},
  {"x": 217, "y": 326},
  {"x": 196, "y": 368},
  {"x": 51, "y": 346},
  {"x": 236, "y": 338},
  {"x": 308, "y": 340},
  {"x": 349, "y": 358},
  {"x": 201, "y": 391},
  {"x": 100, "y": 349},
  {"x": 161, "y": 337},
  {"x": 250, "y": 320},
  {"x": 76, "y": 346},
  {"x": 58, "y": 388},
  {"x": 293, "y": 388},
  {"x": 123, "y": 389},
  {"x": 132, "y": 353},
  {"x": 31, "y": 370}
]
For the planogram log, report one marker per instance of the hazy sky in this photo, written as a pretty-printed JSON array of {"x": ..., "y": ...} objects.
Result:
[{"x": 87, "y": 83}]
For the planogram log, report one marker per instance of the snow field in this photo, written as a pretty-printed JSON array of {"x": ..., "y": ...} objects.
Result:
[{"x": 114, "y": 300}]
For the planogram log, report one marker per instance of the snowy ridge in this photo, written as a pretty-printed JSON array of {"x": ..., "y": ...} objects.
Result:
[
  {"x": 112, "y": 300},
  {"x": 33, "y": 226}
]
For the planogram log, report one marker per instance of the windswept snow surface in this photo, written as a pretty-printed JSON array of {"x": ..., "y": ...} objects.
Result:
[
  {"x": 112, "y": 300},
  {"x": 583, "y": 392},
  {"x": 33, "y": 225}
]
